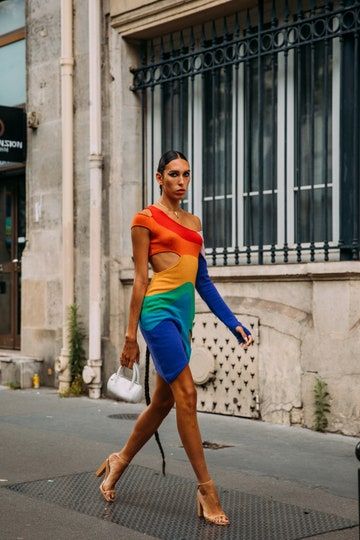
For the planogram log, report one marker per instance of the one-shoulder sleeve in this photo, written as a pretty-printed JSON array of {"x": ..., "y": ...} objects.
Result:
[{"x": 141, "y": 220}]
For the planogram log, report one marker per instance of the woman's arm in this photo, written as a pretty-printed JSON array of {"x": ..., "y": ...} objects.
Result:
[
  {"x": 140, "y": 241},
  {"x": 211, "y": 296}
]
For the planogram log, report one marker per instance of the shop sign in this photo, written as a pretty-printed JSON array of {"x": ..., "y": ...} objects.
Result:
[{"x": 12, "y": 134}]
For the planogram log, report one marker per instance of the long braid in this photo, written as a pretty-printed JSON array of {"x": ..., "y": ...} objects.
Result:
[{"x": 148, "y": 401}]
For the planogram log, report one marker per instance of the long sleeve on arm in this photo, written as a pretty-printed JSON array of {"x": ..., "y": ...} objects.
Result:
[{"x": 211, "y": 296}]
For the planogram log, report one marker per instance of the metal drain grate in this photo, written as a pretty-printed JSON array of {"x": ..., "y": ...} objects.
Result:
[
  {"x": 164, "y": 507},
  {"x": 124, "y": 416}
]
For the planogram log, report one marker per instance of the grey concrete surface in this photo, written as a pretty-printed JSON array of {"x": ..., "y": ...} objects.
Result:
[{"x": 43, "y": 436}]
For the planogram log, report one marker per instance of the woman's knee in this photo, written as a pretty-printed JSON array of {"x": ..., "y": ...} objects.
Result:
[
  {"x": 186, "y": 398},
  {"x": 163, "y": 403},
  {"x": 184, "y": 391}
]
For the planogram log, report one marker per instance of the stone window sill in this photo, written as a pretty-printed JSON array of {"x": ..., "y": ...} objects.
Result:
[{"x": 319, "y": 271}]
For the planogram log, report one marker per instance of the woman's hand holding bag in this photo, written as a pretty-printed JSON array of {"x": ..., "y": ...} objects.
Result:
[
  {"x": 130, "y": 353},
  {"x": 123, "y": 388}
]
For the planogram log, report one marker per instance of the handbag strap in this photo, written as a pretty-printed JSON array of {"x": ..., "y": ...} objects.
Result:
[
  {"x": 148, "y": 401},
  {"x": 135, "y": 375}
]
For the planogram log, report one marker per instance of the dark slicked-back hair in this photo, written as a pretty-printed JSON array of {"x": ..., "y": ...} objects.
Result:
[{"x": 168, "y": 156}]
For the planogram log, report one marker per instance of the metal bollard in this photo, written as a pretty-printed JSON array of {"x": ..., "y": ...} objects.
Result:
[{"x": 357, "y": 453}]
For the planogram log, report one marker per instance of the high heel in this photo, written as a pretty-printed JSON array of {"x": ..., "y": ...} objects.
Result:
[
  {"x": 200, "y": 511},
  {"x": 217, "y": 519},
  {"x": 101, "y": 469},
  {"x": 109, "y": 494}
]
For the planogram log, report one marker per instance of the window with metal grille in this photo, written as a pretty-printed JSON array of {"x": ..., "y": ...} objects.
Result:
[{"x": 259, "y": 102}]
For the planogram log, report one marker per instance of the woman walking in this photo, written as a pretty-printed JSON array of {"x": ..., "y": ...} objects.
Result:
[{"x": 171, "y": 240}]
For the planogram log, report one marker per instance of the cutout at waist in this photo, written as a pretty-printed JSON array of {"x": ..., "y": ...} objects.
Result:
[{"x": 164, "y": 260}]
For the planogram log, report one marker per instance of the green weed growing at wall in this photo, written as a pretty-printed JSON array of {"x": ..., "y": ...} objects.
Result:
[{"x": 77, "y": 355}]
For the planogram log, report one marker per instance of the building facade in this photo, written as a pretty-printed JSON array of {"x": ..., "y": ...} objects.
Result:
[{"x": 264, "y": 100}]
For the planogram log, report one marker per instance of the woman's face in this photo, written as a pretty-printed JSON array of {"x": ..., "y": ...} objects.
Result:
[{"x": 175, "y": 178}]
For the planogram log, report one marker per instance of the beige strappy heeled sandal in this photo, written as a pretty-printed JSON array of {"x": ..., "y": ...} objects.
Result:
[
  {"x": 109, "y": 494},
  {"x": 216, "y": 519}
]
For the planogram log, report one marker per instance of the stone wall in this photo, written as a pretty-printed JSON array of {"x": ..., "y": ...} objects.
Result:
[
  {"x": 41, "y": 278},
  {"x": 124, "y": 188},
  {"x": 121, "y": 115},
  {"x": 146, "y": 18},
  {"x": 309, "y": 318}
]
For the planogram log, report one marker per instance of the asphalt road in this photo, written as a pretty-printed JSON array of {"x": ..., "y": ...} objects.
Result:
[{"x": 43, "y": 436}]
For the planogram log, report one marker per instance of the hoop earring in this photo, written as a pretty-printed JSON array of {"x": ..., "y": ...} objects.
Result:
[{"x": 161, "y": 189}]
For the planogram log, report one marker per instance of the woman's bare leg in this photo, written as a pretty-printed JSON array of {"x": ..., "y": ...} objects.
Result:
[
  {"x": 185, "y": 398},
  {"x": 145, "y": 427},
  {"x": 150, "y": 419}
]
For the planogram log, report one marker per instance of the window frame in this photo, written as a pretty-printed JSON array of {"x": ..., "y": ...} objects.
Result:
[
  {"x": 12, "y": 37},
  {"x": 285, "y": 163}
]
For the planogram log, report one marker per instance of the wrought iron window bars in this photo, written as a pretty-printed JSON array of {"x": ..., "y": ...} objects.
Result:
[{"x": 306, "y": 203}]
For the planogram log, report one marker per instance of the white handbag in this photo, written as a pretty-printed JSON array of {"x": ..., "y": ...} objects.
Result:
[{"x": 123, "y": 388}]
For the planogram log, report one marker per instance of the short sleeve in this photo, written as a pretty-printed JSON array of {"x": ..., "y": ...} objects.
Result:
[{"x": 141, "y": 220}]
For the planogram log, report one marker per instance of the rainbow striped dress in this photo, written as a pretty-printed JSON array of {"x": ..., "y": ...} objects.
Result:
[{"x": 168, "y": 309}]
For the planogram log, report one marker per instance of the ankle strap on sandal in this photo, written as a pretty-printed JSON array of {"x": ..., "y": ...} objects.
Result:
[
  {"x": 207, "y": 482},
  {"x": 120, "y": 458}
]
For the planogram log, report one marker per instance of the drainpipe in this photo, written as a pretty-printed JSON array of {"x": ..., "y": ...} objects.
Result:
[
  {"x": 92, "y": 371},
  {"x": 66, "y": 68}
]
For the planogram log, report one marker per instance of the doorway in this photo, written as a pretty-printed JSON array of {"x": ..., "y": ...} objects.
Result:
[{"x": 12, "y": 243}]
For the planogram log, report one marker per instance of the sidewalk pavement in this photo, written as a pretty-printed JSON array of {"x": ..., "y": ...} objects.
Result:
[{"x": 44, "y": 436}]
